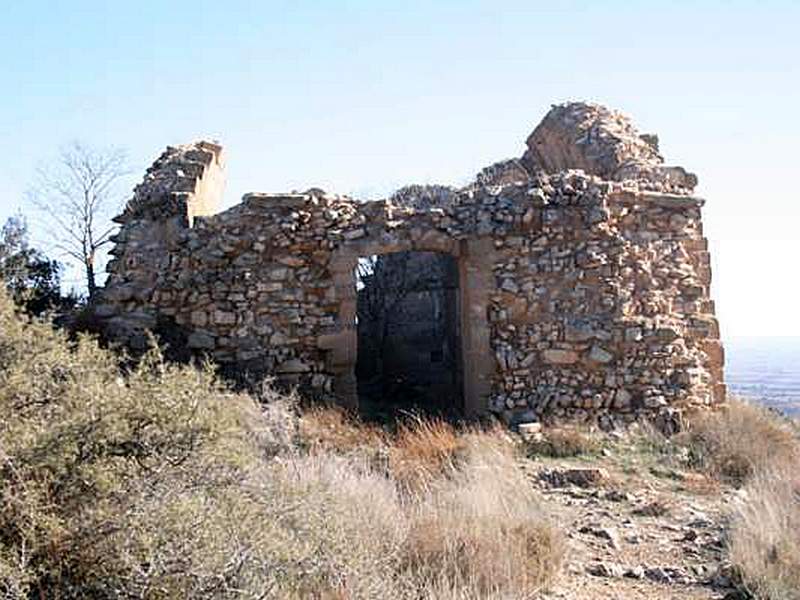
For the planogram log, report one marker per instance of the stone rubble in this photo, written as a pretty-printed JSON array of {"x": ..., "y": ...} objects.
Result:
[{"x": 616, "y": 550}]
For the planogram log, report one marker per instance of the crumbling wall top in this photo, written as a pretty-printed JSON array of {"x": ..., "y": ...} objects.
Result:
[
  {"x": 603, "y": 142},
  {"x": 173, "y": 178}
]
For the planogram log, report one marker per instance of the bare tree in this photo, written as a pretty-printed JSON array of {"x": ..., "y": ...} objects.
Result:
[{"x": 77, "y": 195}]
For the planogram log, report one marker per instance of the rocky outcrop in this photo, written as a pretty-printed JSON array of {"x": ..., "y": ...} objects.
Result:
[
  {"x": 603, "y": 142},
  {"x": 584, "y": 294}
]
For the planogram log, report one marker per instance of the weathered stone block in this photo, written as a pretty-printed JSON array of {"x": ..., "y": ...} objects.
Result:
[
  {"x": 201, "y": 340},
  {"x": 556, "y": 356},
  {"x": 578, "y": 332},
  {"x": 222, "y": 317},
  {"x": 354, "y": 234},
  {"x": 600, "y": 355},
  {"x": 293, "y": 366},
  {"x": 622, "y": 398}
]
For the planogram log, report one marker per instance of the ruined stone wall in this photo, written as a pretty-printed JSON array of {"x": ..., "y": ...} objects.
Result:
[
  {"x": 584, "y": 295},
  {"x": 604, "y": 307},
  {"x": 183, "y": 184}
]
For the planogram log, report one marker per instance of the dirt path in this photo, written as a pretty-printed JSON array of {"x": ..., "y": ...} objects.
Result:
[{"x": 636, "y": 528}]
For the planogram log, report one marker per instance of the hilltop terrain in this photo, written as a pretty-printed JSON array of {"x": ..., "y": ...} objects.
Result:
[{"x": 149, "y": 480}]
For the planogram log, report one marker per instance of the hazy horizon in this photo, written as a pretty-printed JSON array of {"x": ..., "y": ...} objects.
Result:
[
  {"x": 766, "y": 369},
  {"x": 364, "y": 97}
]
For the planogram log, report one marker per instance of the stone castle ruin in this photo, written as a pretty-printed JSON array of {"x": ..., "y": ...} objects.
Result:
[{"x": 571, "y": 283}]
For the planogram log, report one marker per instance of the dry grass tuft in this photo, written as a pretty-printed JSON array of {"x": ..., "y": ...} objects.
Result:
[
  {"x": 482, "y": 529},
  {"x": 336, "y": 529},
  {"x": 329, "y": 428},
  {"x": 563, "y": 442},
  {"x": 739, "y": 440},
  {"x": 765, "y": 544},
  {"x": 421, "y": 451}
]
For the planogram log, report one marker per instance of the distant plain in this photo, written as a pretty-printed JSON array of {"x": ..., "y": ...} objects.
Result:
[{"x": 765, "y": 369}]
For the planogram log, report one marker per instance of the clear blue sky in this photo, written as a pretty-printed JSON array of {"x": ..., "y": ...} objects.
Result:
[{"x": 362, "y": 97}]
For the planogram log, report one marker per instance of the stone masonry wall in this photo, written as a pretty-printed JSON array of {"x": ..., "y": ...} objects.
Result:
[{"x": 584, "y": 293}]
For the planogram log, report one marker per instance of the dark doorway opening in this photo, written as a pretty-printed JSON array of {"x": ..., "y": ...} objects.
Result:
[{"x": 409, "y": 340}]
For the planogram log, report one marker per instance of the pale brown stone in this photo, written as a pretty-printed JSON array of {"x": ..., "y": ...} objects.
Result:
[{"x": 555, "y": 356}]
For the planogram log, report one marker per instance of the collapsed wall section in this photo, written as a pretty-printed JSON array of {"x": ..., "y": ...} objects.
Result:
[
  {"x": 604, "y": 142},
  {"x": 184, "y": 183}
]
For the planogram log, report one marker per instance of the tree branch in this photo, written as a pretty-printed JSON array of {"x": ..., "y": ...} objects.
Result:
[{"x": 73, "y": 194}]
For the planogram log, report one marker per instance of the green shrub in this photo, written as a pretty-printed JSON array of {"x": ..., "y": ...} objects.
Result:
[
  {"x": 31, "y": 278},
  {"x": 102, "y": 476}
]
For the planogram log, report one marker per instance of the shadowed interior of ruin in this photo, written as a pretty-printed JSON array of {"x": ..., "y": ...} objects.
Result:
[{"x": 409, "y": 357}]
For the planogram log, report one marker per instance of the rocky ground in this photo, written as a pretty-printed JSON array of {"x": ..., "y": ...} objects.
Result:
[{"x": 639, "y": 526}]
